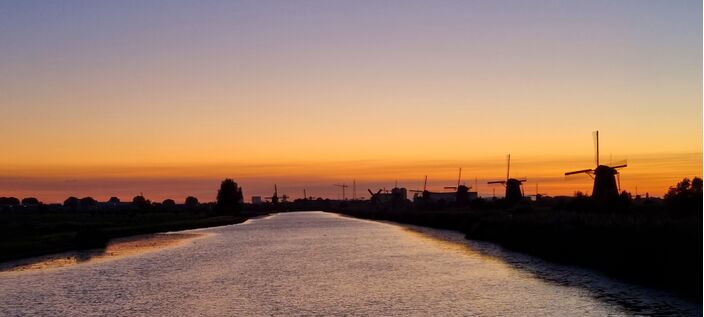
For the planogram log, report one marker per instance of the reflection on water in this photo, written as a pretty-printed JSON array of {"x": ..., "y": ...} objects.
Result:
[
  {"x": 317, "y": 263},
  {"x": 116, "y": 248},
  {"x": 634, "y": 299}
]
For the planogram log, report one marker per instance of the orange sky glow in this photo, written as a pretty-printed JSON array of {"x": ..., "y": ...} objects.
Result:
[{"x": 167, "y": 99}]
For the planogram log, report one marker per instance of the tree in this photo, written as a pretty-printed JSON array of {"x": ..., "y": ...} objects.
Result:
[
  {"x": 30, "y": 201},
  {"x": 114, "y": 200},
  {"x": 191, "y": 202},
  {"x": 168, "y": 203},
  {"x": 88, "y": 202},
  {"x": 140, "y": 202},
  {"x": 230, "y": 197},
  {"x": 9, "y": 201},
  {"x": 686, "y": 195},
  {"x": 71, "y": 202}
]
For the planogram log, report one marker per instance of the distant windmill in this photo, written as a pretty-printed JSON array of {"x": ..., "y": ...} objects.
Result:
[
  {"x": 274, "y": 198},
  {"x": 606, "y": 178},
  {"x": 537, "y": 195},
  {"x": 459, "y": 179},
  {"x": 343, "y": 186},
  {"x": 374, "y": 198},
  {"x": 514, "y": 191},
  {"x": 425, "y": 187}
]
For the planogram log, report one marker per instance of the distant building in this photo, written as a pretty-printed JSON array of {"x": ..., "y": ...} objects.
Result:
[
  {"x": 256, "y": 200},
  {"x": 446, "y": 197},
  {"x": 449, "y": 197},
  {"x": 388, "y": 197}
]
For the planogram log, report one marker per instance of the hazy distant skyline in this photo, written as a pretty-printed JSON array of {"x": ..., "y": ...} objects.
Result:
[{"x": 170, "y": 97}]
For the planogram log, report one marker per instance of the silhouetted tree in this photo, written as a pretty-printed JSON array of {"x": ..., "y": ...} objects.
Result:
[
  {"x": 9, "y": 201},
  {"x": 88, "y": 202},
  {"x": 168, "y": 203},
  {"x": 191, "y": 202},
  {"x": 114, "y": 200},
  {"x": 71, "y": 202},
  {"x": 230, "y": 197},
  {"x": 140, "y": 202},
  {"x": 30, "y": 201},
  {"x": 686, "y": 195}
]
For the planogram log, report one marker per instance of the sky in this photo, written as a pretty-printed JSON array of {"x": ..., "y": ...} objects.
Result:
[{"x": 167, "y": 98}]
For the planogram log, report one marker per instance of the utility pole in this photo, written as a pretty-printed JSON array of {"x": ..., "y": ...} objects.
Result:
[
  {"x": 343, "y": 186},
  {"x": 476, "y": 186},
  {"x": 354, "y": 189}
]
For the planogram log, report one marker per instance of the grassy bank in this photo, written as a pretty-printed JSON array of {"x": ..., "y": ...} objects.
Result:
[
  {"x": 652, "y": 247},
  {"x": 29, "y": 234}
]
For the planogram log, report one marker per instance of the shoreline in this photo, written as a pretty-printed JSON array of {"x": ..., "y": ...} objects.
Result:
[
  {"x": 664, "y": 265},
  {"x": 117, "y": 248},
  {"x": 73, "y": 233}
]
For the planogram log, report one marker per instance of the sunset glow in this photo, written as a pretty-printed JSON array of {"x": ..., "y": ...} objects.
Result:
[{"x": 115, "y": 99}]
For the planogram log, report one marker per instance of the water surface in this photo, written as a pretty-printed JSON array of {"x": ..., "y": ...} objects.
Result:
[{"x": 316, "y": 263}]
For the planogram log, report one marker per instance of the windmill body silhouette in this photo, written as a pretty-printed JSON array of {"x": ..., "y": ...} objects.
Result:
[
  {"x": 275, "y": 197},
  {"x": 513, "y": 185},
  {"x": 606, "y": 177}
]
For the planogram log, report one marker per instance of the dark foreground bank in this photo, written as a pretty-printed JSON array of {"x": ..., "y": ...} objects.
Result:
[
  {"x": 26, "y": 234},
  {"x": 649, "y": 247}
]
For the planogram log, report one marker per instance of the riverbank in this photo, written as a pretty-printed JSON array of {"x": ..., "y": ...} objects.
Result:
[
  {"x": 24, "y": 235},
  {"x": 115, "y": 249},
  {"x": 647, "y": 247}
]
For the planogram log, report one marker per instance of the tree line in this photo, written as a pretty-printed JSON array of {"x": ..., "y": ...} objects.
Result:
[{"x": 229, "y": 200}]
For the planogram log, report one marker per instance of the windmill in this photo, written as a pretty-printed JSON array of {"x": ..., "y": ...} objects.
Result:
[
  {"x": 537, "y": 195},
  {"x": 606, "y": 177},
  {"x": 416, "y": 191},
  {"x": 275, "y": 198},
  {"x": 514, "y": 192},
  {"x": 462, "y": 198},
  {"x": 374, "y": 198},
  {"x": 459, "y": 179}
]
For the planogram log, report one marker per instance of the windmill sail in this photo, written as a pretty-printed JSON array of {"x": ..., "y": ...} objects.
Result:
[{"x": 595, "y": 136}]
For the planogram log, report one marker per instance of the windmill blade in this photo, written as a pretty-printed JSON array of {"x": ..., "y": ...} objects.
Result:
[
  {"x": 522, "y": 179},
  {"x": 378, "y": 192},
  {"x": 508, "y": 165},
  {"x": 619, "y": 164},
  {"x": 370, "y": 192},
  {"x": 497, "y": 182},
  {"x": 459, "y": 178},
  {"x": 595, "y": 136},
  {"x": 580, "y": 171}
]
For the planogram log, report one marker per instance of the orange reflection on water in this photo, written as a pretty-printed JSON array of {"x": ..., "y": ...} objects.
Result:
[{"x": 116, "y": 248}]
